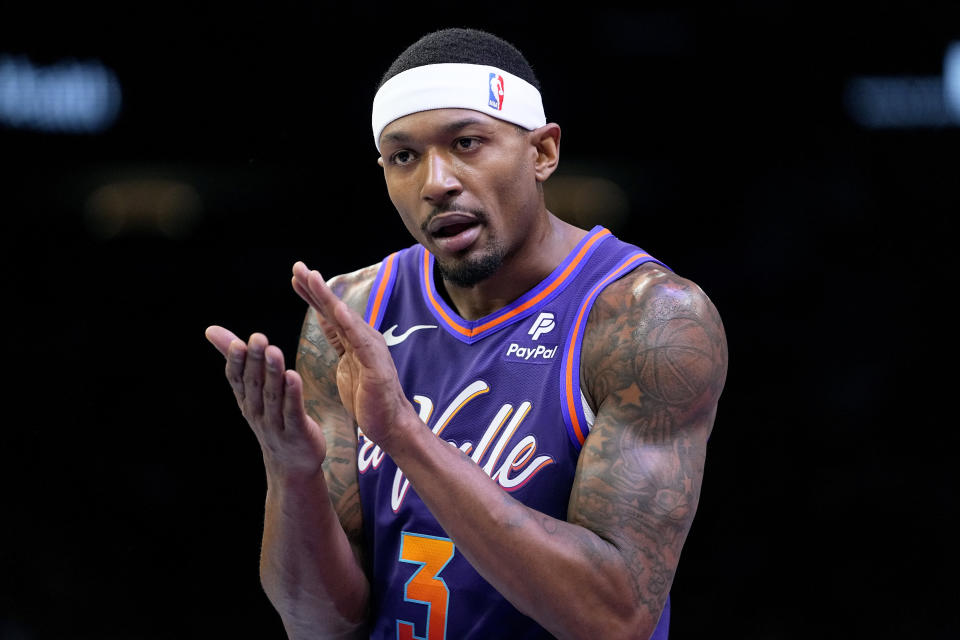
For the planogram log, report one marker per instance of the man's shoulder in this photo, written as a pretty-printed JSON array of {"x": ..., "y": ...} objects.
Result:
[
  {"x": 659, "y": 330},
  {"x": 354, "y": 287},
  {"x": 655, "y": 294}
]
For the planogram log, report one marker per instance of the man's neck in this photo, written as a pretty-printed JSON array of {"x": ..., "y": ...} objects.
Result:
[{"x": 519, "y": 273}]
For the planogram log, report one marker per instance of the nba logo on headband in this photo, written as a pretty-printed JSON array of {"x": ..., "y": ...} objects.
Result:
[
  {"x": 454, "y": 85},
  {"x": 496, "y": 92}
]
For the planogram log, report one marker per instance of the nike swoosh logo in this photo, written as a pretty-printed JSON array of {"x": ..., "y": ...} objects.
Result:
[{"x": 392, "y": 339}]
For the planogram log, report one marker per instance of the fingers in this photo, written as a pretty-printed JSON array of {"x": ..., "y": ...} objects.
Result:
[
  {"x": 323, "y": 294},
  {"x": 311, "y": 286},
  {"x": 359, "y": 336},
  {"x": 329, "y": 331},
  {"x": 236, "y": 361},
  {"x": 220, "y": 338},
  {"x": 235, "y": 351},
  {"x": 292, "y": 408},
  {"x": 273, "y": 398},
  {"x": 301, "y": 284},
  {"x": 253, "y": 375},
  {"x": 331, "y": 334},
  {"x": 257, "y": 375},
  {"x": 344, "y": 328}
]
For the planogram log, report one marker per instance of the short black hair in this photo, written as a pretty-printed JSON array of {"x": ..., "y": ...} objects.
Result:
[{"x": 465, "y": 46}]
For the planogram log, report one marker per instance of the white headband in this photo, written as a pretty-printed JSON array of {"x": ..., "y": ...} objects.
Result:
[{"x": 459, "y": 86}]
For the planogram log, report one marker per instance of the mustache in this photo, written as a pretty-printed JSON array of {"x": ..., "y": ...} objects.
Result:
[{"x": 480, "y": 214}]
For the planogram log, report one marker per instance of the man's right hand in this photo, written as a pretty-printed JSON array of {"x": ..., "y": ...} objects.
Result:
[{"x": 271, "y": 399}]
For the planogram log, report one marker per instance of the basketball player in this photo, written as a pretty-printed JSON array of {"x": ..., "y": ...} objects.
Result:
[{"x": 499, "y": 431}]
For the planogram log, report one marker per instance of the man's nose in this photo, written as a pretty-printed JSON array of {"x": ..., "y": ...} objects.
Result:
[{"x": 440, "y": 182}]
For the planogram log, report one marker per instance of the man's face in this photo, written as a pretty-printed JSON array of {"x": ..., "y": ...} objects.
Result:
[{"x": 465, "y": 186}]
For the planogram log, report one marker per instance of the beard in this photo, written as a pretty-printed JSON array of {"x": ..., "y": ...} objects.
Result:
[
  {"x": 470, "y": 271},
  {"x": 473, "y": 270}
]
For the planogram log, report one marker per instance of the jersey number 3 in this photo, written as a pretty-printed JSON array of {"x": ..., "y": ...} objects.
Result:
[{"x": 425, "y": 586}]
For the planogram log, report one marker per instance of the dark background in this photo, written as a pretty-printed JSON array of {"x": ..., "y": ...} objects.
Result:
[{"x": 132, "y": 489}]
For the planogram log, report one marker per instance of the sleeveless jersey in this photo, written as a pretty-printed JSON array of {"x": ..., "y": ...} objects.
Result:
[{"x": 505, "y": 389}]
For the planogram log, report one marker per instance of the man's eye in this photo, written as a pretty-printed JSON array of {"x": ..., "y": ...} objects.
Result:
[
  {"x": 466, "y": 143},
  {"x": 401, "y": 157}
]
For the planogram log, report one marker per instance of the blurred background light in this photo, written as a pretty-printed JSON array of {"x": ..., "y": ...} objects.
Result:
[
  {"x": 907, "y": 102},
  {"x": 951, "y": 79},
  {"x": 148, "y": 205},
  {"x": 66, "y": 97},
  {"x": 898, "y": 102},
  {"x": 587, "y": 200}
]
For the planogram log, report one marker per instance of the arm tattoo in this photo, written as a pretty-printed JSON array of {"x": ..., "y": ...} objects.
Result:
[
  {"x": 317, "y": 364},
  {"x": 653, "y": 362}
]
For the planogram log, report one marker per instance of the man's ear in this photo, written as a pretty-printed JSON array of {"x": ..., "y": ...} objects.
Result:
[
  {"x": 546, "y": 140},
  {"x": 380, "y": 161}
]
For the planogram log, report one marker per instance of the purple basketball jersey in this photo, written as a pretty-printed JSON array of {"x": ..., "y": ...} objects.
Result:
[{"x": 505, "y": 389}]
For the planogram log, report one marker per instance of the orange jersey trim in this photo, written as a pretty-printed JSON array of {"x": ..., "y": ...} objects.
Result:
[
  {"x": 381, "y": 289},
  {"x": 505, "y": 317},
  {"x": 572, "y": 405}
]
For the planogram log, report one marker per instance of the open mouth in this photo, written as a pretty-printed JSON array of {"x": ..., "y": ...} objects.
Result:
[
  {"x": 450, "y": 230},
  {"x": 455, "y": 231}
]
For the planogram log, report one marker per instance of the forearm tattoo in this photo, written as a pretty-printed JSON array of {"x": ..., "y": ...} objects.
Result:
[{"x": 317, "y": 364}]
